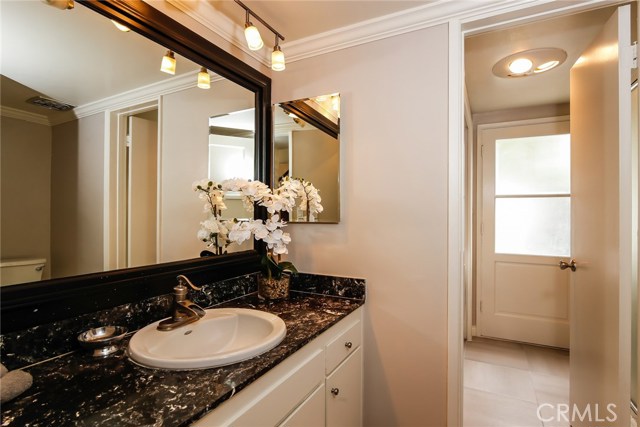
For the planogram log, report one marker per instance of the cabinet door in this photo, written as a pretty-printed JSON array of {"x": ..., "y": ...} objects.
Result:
[
  {"x": 310, "y": 413},
  {"x": 344, "y": 393}
]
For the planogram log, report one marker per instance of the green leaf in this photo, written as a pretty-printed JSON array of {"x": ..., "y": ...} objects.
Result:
[{"x": 288, "y": 266}]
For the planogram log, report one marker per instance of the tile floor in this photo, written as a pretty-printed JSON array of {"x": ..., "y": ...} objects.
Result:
[{"x": 505, "y": 382}]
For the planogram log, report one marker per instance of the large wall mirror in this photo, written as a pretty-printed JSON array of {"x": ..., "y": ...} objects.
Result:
[
  {"x": 306, "y": 145},
  {"x": 107, "y": 185}
]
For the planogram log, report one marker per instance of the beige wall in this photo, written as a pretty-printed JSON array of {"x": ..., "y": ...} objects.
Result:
[
  {"x": 393, "y": 160},
  {"x": 184, "y": 159},
  {"x": 77, "y": 175},
  {"x": 25, "y": 193},
  {"x": 316, "y": 158}
]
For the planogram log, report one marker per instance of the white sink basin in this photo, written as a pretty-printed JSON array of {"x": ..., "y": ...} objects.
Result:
[{"x": 223, "y": 336}]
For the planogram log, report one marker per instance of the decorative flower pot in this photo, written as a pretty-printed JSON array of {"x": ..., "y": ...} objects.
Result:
[{"x": 274, "y": 288}]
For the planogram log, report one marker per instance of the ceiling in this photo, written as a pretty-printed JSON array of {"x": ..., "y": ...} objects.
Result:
[
  {"x": 78, "y": 57},
  {"x": 75, "y": 56},
  {"x": 487, "y": 92}
]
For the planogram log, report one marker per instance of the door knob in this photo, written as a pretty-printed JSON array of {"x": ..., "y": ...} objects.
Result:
[
  {"x": 571, "y": 265},
  {"x": 335, "y": 391}
]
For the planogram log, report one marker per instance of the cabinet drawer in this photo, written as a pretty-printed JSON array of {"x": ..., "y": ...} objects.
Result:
[{"x": 343, "y": 345}]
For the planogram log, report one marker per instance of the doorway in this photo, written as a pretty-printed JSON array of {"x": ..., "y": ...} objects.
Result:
[
  {"x": 505, "y": 114},
  {"x": 141, "y": 189},
  {"x": 132, "y": 189}
]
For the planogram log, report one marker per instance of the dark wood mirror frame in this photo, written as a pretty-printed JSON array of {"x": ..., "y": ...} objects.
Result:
[{"x": 26, "y": 305}]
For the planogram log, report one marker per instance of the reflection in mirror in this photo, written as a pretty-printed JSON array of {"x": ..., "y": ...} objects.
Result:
[
  {"x": 231, "y": 155},
  {"x": 307, "y": 145},
  {"x": 231, "y": 145},
  {"x": 107, "y": 184}
]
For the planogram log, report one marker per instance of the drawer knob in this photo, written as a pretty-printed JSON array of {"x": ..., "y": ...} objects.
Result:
[
  {"x": 348, "y": 344},
  {"x": 335, "y": 391}
]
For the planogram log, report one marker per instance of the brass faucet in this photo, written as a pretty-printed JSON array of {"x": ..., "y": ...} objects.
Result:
[{"x": 184, "y": 310}]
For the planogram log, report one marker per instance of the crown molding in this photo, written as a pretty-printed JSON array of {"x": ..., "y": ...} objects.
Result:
[
  {"x": 434, "y": 13},
  {"x": 15, "y": 113},
  {"x": 125, "y": 99},
  {"x": 281, "y": 128},
  {"x": 406, "y": 21},
  {"x": 141, "y": 94}
]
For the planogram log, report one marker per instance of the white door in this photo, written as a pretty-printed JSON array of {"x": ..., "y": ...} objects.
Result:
[
  {"x": 600, "y": 286},
  {"x": 142, "y": 192},
  {"x": 525, "y": 231}
]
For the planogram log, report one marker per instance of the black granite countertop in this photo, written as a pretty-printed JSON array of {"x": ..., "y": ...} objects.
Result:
[{"x": 77, "y": 390}]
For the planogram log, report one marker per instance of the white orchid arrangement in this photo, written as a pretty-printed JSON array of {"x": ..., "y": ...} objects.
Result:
[{"x": 219, "y": 233}]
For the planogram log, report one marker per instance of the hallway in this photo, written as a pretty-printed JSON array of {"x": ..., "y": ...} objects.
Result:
[{"x": 505, "y": 382}]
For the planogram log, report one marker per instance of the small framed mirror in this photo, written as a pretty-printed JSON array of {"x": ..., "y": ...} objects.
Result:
[{"x": 306, "y": 145}]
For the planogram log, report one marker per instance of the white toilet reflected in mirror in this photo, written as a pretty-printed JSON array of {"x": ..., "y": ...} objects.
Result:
[{"x": 23, "y": 270}]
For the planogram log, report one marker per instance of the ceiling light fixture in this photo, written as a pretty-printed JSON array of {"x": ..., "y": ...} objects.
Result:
[
  {"x": 204, "y": 80},
  {"x": 277, "y": 57},
  {"x": 254, "y": 40},
  {"x": 546, "y": 66},
  {"x": 121, "y": 27},
  {"x": 168, "y": 63},
  {"x": 251, "y": 33},
  {"x": 520, "y": 66},
  {"x": 529, "y": 62}
]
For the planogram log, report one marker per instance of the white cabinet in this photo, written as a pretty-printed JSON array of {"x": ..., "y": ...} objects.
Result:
[
  {"x": 311, "y": 413},
  {"x": 344, "y": 393},
  {"x": 298, "y": 391}
]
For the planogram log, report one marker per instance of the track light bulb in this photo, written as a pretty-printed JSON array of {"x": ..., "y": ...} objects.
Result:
[
  {"x": 251, "y": 33},
  {"x": 121, "y": 27},
  {"x": 277, "y": 59},
  {"x": 61, "y": 4},
  {"x": 204, "y": 80},
  {"x": 168, "y": 63}
]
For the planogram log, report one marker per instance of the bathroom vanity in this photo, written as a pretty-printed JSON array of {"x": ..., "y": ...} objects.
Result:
[
  {"x": 321, "y": 384},
  {"x": 313, "y": 377}
]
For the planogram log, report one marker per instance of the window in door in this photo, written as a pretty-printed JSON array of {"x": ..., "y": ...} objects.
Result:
[{"x": 533, "y": 196}]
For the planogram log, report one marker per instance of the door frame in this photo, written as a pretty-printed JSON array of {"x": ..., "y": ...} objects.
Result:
[{"x": 498, "y": 15}]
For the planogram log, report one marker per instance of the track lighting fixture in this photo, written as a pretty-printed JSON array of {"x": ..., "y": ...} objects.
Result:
[
  {"x": 254, "y": 40},
  {"x": 204, "y": 80},
  {"x": 168, "y": 63}
]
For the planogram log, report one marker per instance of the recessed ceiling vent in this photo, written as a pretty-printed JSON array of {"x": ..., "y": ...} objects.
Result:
[{"x": 49, "y": 103}]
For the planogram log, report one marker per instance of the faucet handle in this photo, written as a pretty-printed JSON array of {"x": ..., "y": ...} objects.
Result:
[{"x": 182, "y": 280}]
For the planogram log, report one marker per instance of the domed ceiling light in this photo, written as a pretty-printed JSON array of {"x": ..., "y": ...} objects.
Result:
[{"x": 529, "y": 62}]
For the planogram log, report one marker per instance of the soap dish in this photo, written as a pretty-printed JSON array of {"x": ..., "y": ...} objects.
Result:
[{"x": 102, "y": 340}]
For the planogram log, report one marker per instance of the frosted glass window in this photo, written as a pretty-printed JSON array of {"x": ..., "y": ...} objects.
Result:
[
  {"x": 533, "y": 226},
  {"x": 533, "y": 165}
]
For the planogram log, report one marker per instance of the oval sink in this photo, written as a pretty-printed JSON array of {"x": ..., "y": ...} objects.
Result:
[{"x": 223, "y": 336}]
